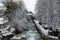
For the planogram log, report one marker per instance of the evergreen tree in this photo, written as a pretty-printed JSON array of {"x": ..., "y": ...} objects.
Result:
[{"x": 19, "y": 16}]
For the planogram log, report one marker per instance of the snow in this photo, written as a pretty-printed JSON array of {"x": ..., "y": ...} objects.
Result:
[
  {"x": 54, "y": 37},
  {"x": 2, "y": 0},
  {"x": 2, "y": 6},
  {"x": 45, "y": 32},
  {"x": 2, "y": 20},
  {"x": 30, "y": 5},
  {"x": 5, "y": 31}
]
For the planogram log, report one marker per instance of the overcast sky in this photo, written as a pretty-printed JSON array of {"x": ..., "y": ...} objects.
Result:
[{"x": 30, "y": 5}]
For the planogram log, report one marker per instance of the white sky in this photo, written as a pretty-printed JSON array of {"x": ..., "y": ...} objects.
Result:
[{"x": 30, "y": 5}]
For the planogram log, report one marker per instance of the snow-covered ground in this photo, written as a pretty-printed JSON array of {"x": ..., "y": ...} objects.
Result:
[{"x": 29, "y": 35}]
